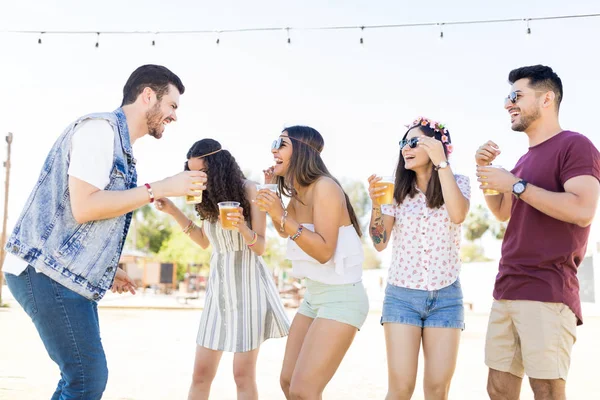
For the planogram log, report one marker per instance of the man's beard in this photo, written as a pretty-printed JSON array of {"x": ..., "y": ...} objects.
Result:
[
  {"x": 154, "y": 120},
  {"x": 526, "y": 121}
]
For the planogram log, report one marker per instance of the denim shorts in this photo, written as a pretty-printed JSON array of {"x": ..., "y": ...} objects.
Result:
[
  {"x": 347, "y": 303},
  {"x": 426, "y": 309}
]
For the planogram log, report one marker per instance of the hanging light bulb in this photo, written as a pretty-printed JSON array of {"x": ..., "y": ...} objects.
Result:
[
  {"x": 97, "y": 39},
  {"x": 218, "y": 37},
  {"x": 441, "y": 30},
  {"x": 528, "y": 31},
  {"x": 289, "y": 39},
  {"x": 154, "y": 39},
  {"x": 40, "y": 38},
  {"x": 362, "y": 41}
]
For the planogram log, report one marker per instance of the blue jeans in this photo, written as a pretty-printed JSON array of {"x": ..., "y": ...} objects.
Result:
[
  {"x": 69, "y": 328},
  {"x": 441, "y": 308}
]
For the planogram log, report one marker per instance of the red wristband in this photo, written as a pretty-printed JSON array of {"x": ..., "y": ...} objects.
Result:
[{"x": 150, "y": 193}]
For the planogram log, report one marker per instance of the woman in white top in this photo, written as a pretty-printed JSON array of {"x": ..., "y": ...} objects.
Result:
[
  {"x": 423, "y": 299},
  {"x": 324, "y": 246}
]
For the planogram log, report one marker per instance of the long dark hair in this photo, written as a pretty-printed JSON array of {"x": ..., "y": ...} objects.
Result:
[
  {"x": 307, "y": 166},
  {"x": 225, "y": 180},
  {"x": 406, "y": 179}
]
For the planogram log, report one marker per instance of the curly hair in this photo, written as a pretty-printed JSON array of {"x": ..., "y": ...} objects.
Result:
[{"x": 225, "y": 180}]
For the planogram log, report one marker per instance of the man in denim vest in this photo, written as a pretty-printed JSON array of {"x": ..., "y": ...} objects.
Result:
[{"x": 64, "y": 251}]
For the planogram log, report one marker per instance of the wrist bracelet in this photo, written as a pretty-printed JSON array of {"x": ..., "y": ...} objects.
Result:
[
  {"x": 150, "y": 192},
  {"x": 297, "y": 234},
  {"x": 188, "y": 229},
  {"x": 254, "y": 240}
]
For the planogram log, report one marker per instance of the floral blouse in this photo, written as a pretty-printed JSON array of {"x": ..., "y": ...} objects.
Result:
[{"x": 426, "y": 248}]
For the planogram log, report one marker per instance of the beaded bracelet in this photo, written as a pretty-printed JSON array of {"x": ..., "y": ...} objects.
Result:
[
  {"x": 298, "y": 233},
  {"x": 188, "y": 229},
  {"x": 254, "y": 240},
  {"x": 150, "y": 192}
]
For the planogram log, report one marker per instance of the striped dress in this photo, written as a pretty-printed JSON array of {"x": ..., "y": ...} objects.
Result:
[{"x": 242, "y": 307}]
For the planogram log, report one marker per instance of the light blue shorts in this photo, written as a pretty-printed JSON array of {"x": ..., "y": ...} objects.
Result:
[
  {"x": 426, "y": 309},
  {"x": 347, "y": 303}
]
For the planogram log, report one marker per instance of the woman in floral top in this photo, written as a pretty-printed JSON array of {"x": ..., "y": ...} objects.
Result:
[{"x": 423, "y": 299}]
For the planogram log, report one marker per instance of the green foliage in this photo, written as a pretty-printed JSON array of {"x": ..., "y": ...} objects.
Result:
[
  {"x": 471, "y": 252},
  {"x": 180, "y": 249},
  {"x": 274, "y": 254},
  {"x": 476, "y": 223},
  {"x": 498, "y": 229}
]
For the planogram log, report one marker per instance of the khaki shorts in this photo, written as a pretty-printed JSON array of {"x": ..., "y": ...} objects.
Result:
[{"x": 530, "y": 337}]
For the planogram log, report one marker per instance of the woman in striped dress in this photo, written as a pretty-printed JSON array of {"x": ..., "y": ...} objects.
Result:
[{"x": 242, "y": 307}]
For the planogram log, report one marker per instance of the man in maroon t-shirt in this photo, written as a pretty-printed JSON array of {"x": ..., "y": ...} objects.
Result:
[{"x": 550, "y": 197}]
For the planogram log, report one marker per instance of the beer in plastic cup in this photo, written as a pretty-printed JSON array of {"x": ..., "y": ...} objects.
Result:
[
  {"x": 270, "y": 186},
  {"x": 194, "y": 199},
  {"x": 490, "y": 192},
  {"x": 226, "y": 207},
  {"x": 388, "y": 194}
]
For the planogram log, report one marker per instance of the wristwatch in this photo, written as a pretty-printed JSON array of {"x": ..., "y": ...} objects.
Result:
[
  {"x": 519, "y": 188},
  {"x": 442, "y": 165}
]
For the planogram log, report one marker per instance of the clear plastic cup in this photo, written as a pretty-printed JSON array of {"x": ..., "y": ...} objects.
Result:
[
  {"x": 388, "y": 194},
  {"x": 226, "y": 207},
  {"x": 490, "y": 192},
  {"x": 269, "y": 186}
]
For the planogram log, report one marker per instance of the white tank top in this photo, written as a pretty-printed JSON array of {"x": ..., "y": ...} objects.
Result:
[{"x": 344, "y": 267}]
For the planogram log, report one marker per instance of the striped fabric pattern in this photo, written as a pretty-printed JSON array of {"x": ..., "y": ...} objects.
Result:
[{"x": 242, "y": 307}]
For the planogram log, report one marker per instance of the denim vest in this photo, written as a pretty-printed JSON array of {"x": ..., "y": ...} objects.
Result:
[{"x": 81, "y": 257}]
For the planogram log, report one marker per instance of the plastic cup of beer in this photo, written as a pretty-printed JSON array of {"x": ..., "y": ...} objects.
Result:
[
  {"x": 490, "y": 192},
  {"x": 194, "y": 199},
  {"x": 269, "y": 186},
  {"x": 388, "y": 193},
  {"x": 226, "y": 207}
]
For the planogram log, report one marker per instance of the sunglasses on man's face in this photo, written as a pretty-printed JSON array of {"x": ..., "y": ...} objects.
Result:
[
  {"x": 412, "y": 143},
  {"x": 515, "y": 95},
  {"x": 512, "y": 97}
]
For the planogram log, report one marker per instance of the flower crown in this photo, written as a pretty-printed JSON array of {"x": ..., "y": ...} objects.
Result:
[{"x": 437, "y": 127}]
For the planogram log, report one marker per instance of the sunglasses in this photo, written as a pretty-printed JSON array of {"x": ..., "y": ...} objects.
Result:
[
  {"x": 277, "y": 143},
  {"x": 514, "y": 95},
  {"x": 412, "y": 143}
]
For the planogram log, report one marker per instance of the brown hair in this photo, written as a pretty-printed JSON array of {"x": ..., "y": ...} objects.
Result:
[
  {"x": 406, "y": 180},
  {"x": 307, "y": 166}
]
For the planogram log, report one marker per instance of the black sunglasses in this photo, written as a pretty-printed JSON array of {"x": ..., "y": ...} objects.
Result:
[
  {"x": 514, "y": 95},
  {"x": 412, "y": 143}
]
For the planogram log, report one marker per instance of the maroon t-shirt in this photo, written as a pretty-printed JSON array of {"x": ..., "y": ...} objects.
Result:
[{"x": 540, "y": 254}]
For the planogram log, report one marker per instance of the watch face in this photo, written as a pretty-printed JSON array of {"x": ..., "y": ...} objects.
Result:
[{"x": 519, "y": 187}]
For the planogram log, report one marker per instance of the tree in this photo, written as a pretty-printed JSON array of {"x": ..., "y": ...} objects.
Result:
[
  {"x": 180, "y": 249},
  {"x": 359, "y": 198},
  {"x": 476, "y": 223},
  {"x": 498, "y": 229}
]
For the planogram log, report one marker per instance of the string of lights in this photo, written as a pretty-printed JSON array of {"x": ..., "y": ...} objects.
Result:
[{"x": 287, "y": 29}]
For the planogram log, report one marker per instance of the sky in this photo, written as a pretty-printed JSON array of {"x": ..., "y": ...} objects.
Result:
[{"x": 248, "y": 88}]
